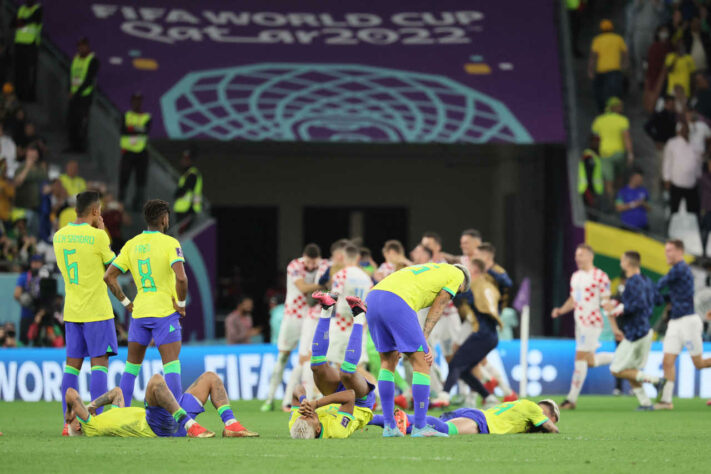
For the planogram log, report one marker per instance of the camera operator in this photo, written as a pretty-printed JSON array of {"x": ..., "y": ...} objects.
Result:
[
  {"x": 46, "y": 329},
  {"x": 27, "y": 290}
]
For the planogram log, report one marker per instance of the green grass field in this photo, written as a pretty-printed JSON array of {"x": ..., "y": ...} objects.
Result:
[{"x": 603, "y": 434}]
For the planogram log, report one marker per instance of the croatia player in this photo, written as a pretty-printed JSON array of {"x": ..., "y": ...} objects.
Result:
[
  {"x": 163, "y": 415},
  {"x": 156, "y": 263},
  {"x": 300, "y": 282},
  {"x": 392, "y": 317},
  {"x": 630, "y": 323},
  {"x": 350, "y": 281},
  {"x": 589, "y": 291},
  {"x": 520, "y": 416},
  {"x": 394, "y": 255},
  {"x": 82, "y": 252},
  {"x": 685, "y": 326},
  {"x": 349, "y": 398}
]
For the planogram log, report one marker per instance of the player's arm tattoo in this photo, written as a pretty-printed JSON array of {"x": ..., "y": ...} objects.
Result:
[
  {"x": 112, "y": 397},
  {"x": 160, "y": 395},
  {"x": 440, "y": 302},
  {"x": 110, "y": 277},
  {"x": 549, "y": 427}
]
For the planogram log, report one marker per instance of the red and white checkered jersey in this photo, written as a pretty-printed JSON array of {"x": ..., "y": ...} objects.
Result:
[
  {"x": 350, "y": 281},
  {"x": 315, "y": 310},
  {"x": 386, "y": 269},
  {"x": 296, "y": 304},
  {"x": 589, "y": 290}
]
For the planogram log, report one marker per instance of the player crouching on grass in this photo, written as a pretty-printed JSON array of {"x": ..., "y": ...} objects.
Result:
[
  {"x": 349, "y": 398},
  {"x": 520, "y": 416},
  {"x": 163, "y": 415}
]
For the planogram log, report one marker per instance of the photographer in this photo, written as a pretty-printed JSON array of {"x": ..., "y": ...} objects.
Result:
[
  {"x": 27, "y": 290},
  {"x": 46, "y": 329}
]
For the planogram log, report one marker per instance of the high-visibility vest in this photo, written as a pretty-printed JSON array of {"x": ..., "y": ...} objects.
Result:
[
  {"x": 192, "y": 198},
  {"x": 137, "y": 121},
  {"x": 572, "y": 4},
  {"x": 31, "y": 32},
  {"x": 78, "y": 72},
  {"x": 597, "y": 181}
]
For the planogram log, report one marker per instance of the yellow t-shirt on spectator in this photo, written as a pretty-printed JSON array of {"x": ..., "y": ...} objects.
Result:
[
  {"x": 680, "y": 70},
  {"x": 74, "y": 185},
  {"x": 68, "y": 214},
  {"x": 609, "y": 48},
  {"x": 609, "y": 127}
]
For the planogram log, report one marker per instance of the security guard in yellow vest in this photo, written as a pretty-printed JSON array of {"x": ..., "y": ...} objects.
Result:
[
  {"x": 134, "y": 155},
  {"x": 188, "y": 196},
  {"x": 82, "y": 82},
  {"x": 590, "y": 181},
  {"x": 28, "y": 30}
]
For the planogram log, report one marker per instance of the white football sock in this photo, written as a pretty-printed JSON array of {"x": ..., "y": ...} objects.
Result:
[
  {"x": 581, "y": 371},
  {"x": 503, "y": 384},
  {"x": 294, "y": 378},
  {"x": 604, "y": 358},
  {"x": 307, "y": 379},
  {"x": 641, "y": 396},
  {"x": 277, "y": 375},
  {"x": 360, "y": 319},
  {"x": 230, "y": 421},
  {"x": 189, "y": 423},
  {"x": 668, "y": 392},
  {"x": 326, "y": 312},
  {"x": 646, "y": 378}
]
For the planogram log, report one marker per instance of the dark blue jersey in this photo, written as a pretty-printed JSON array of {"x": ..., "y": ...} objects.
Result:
[
  {"x": 680, "y": 283},
  {"x": 638, "y": 300}
]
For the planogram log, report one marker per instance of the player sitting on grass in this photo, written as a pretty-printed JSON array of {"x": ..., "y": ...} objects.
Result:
[
  {"x": 348, "y": 399},
  {"x": 162, "y": 416},
  {"x": 520, "y": 416}
]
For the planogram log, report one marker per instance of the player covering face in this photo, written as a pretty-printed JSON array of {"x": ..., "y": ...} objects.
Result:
[
  {"x": 520, "y": 416},
  {"x": 163, "y": 416},
  {"x": 349, "y": 398}
]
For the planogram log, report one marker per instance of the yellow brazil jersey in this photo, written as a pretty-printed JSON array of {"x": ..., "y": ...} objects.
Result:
[
  {"x": 128, "y": 422},
  {"x": 610, "y": 127},
  {"x": 82, "y": 251},
  {"x": 337, "y": 424},
  {"x": 419, "y": 285},
  {"x": 514, "y": 417},
  {"x": 150, "y": 256}
]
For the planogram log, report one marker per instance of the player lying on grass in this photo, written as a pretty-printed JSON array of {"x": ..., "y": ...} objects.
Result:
[
  {"x": 520, "y": 416},
  {"x": 348, "y": 399},
  {"x": 163, "y": 415}
]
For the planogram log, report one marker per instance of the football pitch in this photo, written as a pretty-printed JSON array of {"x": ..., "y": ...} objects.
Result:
[{"x": 603, "y": 434}]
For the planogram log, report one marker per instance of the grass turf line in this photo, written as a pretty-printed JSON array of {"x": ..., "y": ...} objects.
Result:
[{"x": 604, "y": 433}]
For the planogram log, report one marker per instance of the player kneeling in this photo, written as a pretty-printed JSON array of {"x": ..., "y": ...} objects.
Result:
[
  {"x": 520, "y": 416},
  {"x": 163, "y": 415},
  {"x": 349, "y": 398}
]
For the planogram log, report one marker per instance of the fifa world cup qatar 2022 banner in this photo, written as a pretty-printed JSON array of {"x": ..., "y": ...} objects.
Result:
[
  {"x": 450, "y": 71},
  {"x": 36, "y": 374}
]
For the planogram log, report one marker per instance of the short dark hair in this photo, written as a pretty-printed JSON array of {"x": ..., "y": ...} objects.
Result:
[
  {"x": 633, "y": 257},
  {"x": 154, "y": 210},
  {"x": 365, "y": 252},
  {"x": 339, "y": 244},
  {"x": 676, "y": 243},
  {"x": 394, "y": 245},
  {"x": 85, "y": 201},
  {"x": 488, "y": 247},
  {"x": 433, "y": 235},
  {"x": 550, "y": 407},
  {"x": 586, "y": 247},
  {"x": 351, "y": 251},
  {"x": 312, "y": 251},
  {"x": 479, "y": 264},
  {"x": 472, "y": 233},
  {"x": 428, "y": 250}
]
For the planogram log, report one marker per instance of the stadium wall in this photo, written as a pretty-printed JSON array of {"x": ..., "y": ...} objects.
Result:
[{"x": 36, "y": 374}]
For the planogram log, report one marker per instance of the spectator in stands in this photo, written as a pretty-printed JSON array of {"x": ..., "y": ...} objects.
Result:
[
  {"x": 82, "y": 82},
  {"x": 8, "y": 152},
  {"x": 661, "y": 127},
  {"x": 678, "y": 67},
  {"x": 188, "y": 196},
  {"x": 653, "y": 79},
  {"x": 114, "y": 220},
  {"x": 8, "y": 102},
  {"x": 633, "y": 202},
  {"x": 134, "y": 155},
  {"x": 58, "y": 204},
  {"x": 698, "y": 43},
  {"x": 72, "y": 182},
  {"x": 28, "y": 28},
  {"x": 590, "y": 181},
  {"x": 645, "y": 18},
  {"x": 681, "y": 170},
  {"x": 615, "y": 143},
  {"x": 7, "y": 194},
  {"x": 608, "y": 57},
  {"x": 705, "y": 185},
  {"x": 238, "y": 324},
  {"x": 702, "y": 96},
  {"x": 27, "y": 290},
  {"x": 699, "y": 134},
  {"x": 28, "y": 181},
  {"x": 28, "y": 136},
  {"x": 24, "y": 244}
]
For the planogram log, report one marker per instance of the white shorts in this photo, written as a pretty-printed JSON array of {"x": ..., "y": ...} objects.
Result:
[
  {"x": 338, "y": 344},
  {"x": 289, "y": 333},
  {"x": 308, "y": 329},
  {"x": 632, "y": 355},
  {"x": 684, "y": 332},
  {"x": 587, "y": 338}
]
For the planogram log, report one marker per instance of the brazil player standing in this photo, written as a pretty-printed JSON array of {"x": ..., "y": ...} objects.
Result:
[
  {"x": 82, "y": 251},
  {"x": 156, "y": 263},
  {"x": 392, "y": 317}
]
